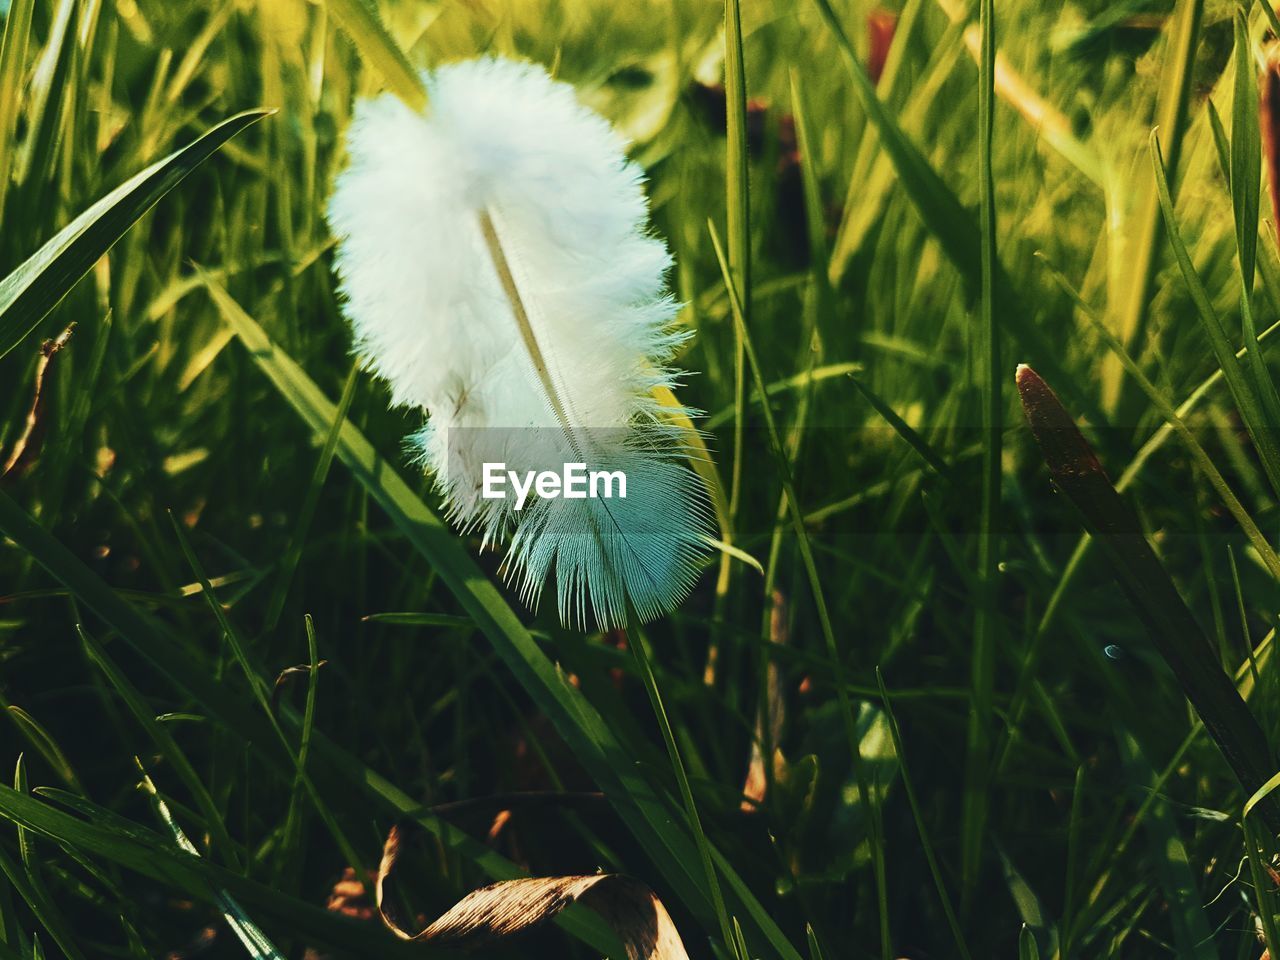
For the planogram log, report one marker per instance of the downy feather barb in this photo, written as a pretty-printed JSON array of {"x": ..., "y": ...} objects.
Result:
[{"x": 495, "y": 264}]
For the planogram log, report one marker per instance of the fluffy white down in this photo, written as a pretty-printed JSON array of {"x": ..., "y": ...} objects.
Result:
[{"x": 429, "y": 316}]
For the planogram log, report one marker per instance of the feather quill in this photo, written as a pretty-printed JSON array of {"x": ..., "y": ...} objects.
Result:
[{"x": 496, "y": 267}]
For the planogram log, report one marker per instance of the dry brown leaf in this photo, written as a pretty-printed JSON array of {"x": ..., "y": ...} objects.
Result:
[
  {"x": 881, "y": 25},
  {"x": 288, "y": 673},
  {"x": 23, "y": 455},
  {"x": 504, "y": 910}
]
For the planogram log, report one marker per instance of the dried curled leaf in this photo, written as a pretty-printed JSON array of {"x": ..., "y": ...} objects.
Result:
[
  {"x": 27, "y": 448},
  {"x": 503, "y": 910},
  {"x": 287, "y": 674}
]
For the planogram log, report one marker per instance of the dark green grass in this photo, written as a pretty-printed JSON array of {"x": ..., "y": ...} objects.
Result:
[{"x": 200, "y": 518}]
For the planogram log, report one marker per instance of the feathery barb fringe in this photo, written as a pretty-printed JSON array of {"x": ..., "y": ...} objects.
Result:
[{"x": 497, "y": 270}]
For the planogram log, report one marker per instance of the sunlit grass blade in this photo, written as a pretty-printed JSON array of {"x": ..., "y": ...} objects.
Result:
[
  {"x": 871, "y": 178},
  {"x": 947, "y": 219},
  {"x": 1141, "y": 239},
  {"x": 36, "y": 286},
  {"x": 361, "y": 24},
  {"x": 1244, "y": 392},
  {"x": 1202, "y": 459},
  {"x": 700, "y": 458},
  {"x": 1246, "y": 160},
  {"x": 737, "y": 171},
  {"x": 798, "y": 381},
  {"x": 940, "y": 207},
  {"x": 13, "y": 62},
  {"x": 737, "y": 178}
]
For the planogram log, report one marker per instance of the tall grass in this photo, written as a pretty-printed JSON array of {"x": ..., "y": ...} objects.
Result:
[{"x": 230, "y": 612}]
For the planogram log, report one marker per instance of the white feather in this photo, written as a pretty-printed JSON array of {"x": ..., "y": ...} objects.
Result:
[{"x": 503, "y": 143}]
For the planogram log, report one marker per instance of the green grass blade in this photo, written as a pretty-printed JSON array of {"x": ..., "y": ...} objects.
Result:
[
  {"x": 928, "y": 453},
  {"x": 30, "y": 883},
  {"x": 1265, "y": 900},
  {"x": 815, "y": 588},
  {"x": 422, "y": 620},
  {"x": 309, "y": 502},
  {"x": 941, "y": 209},
  {"x": 1242, "y": 390},
  {"x": 644, "y": 661},
  {"x": 1071, "y": 878},
  {"x": 1027, "y": 949},
  {"x": 1193, "y": 934},
  {"x": 738, "y": 225},
  {"x": 247, "y": 932},
  {"x": 926, "y": 845},
  {"x": 47, "y": 100},
  {"x": 595, "y": 746},
  {"x": 44, "y": 743},
  {"x": 13, "y": 62},
  {"x": 1172, "y": 626},
  {"x": 987, "y": 351},
  {"x": 1140, "y": 250},
  {"x": 1132, "y": 471},
  {"x": 159, "y": 861},
  {"x": 194, "y": 678},
  {"x": 293, "y": 819},
  {"x": 361, "y": 24},
  {"x": 947, "y": 219},
  {"x": 40, "y": 283},
  {"x": 1246, "y": 152},
  {"x": 39, "y": 904},
  {"x": 798, "y": 381},
  {"x": 737, "y": 171},
  {"x": 1202, "y": 459},
  {"x": 165, "y": 743},
  {"x": 1246, "y": 161}
]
